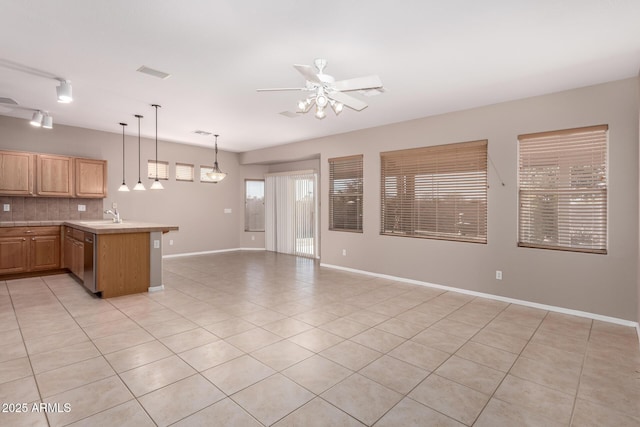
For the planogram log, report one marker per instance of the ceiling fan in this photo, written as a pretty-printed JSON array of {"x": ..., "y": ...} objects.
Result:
[{"x": 325, "y": 90}]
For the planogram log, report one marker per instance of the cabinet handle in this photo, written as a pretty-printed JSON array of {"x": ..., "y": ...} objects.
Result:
[
  {"x": 24, "y": 240},
  {"x": 33, "y": 238},
  {"x": 29, "y": 231}
]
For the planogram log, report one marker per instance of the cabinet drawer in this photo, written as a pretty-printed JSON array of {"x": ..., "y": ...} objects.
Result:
[
  {"x": 49, "y": 230},
  {"x": 77, "y": 234}
]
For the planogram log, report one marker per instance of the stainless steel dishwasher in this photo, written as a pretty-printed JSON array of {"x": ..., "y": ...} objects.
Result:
[{"x": 89, "y": 276}]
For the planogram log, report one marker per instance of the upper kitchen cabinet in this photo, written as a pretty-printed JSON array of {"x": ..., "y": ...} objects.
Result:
[
  {"x": 91, "y": 178},
  {"x": 16, "y": 173},
  {"x": 54, "y": 175}
]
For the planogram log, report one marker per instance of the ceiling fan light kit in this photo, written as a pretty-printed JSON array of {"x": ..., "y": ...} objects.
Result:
[{"x": 325, "y": 90}]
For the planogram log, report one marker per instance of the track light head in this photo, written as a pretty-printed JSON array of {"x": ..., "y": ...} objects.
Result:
[
  {"x": 36, "y": 120},
  {"x": 64, "y": 92},
  {"x": 47, "y": 122}
]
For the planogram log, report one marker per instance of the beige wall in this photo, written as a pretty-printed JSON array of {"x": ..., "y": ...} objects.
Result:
[
  {"x": 197, "y": 208},
  {"x": 602, "y": 284}
]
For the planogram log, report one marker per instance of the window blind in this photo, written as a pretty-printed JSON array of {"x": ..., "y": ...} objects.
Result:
[
  {"x": 163, "y": 169},
  {"x": 437, "y": 192},
  {"x": 345, "y": 193},
  {"x": 562, "y": 185},
  {"x": 184, "y": 172}
]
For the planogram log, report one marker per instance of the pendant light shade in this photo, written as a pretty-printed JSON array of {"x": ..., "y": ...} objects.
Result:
[
  {"x": 216, "y": 175},
  {"x": 124, "y": 186},
  {"x": 157, "y": 185},
  {"x": 139, "y": 186}
]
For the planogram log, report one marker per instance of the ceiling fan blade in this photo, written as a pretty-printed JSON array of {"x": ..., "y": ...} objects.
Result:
[
  {"x": 308, "y": 73},
  {"x": 281, "y": 88},
  {"x": 358, "y": 83},
  {"x": 348, "y": 100}
]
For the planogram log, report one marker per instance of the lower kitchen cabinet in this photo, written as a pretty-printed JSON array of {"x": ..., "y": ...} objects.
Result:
[
  {"x": 27, "y": 249},
  {"x": 74, "y": 252},
  {"x": 14, "y": 255}
]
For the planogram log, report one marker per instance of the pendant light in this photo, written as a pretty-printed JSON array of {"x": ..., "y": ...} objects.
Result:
[
  {"x": 157, "y": 185},
  {"x": 216, "y": 175},
  {"x": 139, "y": 186},
  {"x": 124, "y": 186}
]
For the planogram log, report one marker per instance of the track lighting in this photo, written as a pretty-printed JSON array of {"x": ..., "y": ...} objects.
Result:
[
  {"x": 64, "y": 92},
  {"x": 36, "y": 120},
  {"x": 40, "y": 119},
  {"x": 47, "y": 122}
]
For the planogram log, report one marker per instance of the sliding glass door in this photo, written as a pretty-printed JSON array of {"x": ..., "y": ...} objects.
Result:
[{"x": 291, "y": 206}]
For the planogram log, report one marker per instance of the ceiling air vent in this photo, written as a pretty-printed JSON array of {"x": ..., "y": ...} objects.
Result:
[
  {"x": 8, "y": 101},
  {"x": 290, "y": 114},
  {"x": 202, "y": 132},
  {"x": 155, "y": 73}
]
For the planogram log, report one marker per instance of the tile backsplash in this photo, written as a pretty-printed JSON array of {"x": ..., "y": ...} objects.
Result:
[{"x": 48, "y": 208}]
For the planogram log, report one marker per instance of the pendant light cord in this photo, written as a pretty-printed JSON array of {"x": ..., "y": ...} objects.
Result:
[
  {"x": 156, "y": 107},
  {"x": 139, "y": 158},
  {"x": 123, "y": 167}
]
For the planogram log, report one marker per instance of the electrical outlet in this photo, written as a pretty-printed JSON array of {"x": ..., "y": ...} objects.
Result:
[
  {"x": 227, "y": 210},
  {"x": 114, "y": 205},
  {"x": 170, "y": 242},
  {"x": 6, "y": 207},
  {"x": 344, "y": 252},
  {"x": 253, "y": 237},
  {"x": 498, "y": 274},
  {"x": 82, "y": 208},
  {"x": 156, "y": 244}
]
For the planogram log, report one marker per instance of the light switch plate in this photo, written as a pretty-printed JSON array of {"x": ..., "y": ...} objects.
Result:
[
  {"x": 156, "y": 244},
  {"x": 6, "y": 207},
  {"x": 82, "y": 208}
]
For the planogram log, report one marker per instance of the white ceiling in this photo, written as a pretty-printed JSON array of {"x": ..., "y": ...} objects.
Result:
[{"x": 432, "y": 56}]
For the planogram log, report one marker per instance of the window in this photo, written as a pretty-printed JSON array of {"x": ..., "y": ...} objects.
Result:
[
  {"x": 345, "y": 194},
  {"x": 204, "y": 170},
  {"x": 163, "y": 169},
  {"x": 562, "y": 184},
  {"x": 184, "y": 172},
  {"x": 254, "y": 205},
  {"x": 437, "y": 192}
]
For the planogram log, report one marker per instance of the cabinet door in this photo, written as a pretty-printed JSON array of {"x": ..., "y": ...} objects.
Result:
[
  {"x": 54, "y": 175},
  {"x": 16, "y": 173},
  {"x": 91, "y": 178},
  {"x": 78, "y": 260},
  {"x": 44, "y": 253},
  {"x": 68, "y": 253},
  {"x": 13, "y": 255}
]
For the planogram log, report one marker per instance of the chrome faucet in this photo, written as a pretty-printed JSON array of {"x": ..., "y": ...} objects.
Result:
[{"x": 116, "y": 215}]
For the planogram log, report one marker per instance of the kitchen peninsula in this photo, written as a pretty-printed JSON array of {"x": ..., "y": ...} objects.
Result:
[{"x": 115, "y": 258}]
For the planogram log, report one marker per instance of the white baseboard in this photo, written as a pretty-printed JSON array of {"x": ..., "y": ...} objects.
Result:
[
  {"x": 495, "y": 297},
  {"x": 211, "y": 252},
  {"x": 156, "y": 288}
]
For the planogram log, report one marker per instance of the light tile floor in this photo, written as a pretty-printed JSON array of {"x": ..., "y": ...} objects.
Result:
[{"x": 251, "y": 339}]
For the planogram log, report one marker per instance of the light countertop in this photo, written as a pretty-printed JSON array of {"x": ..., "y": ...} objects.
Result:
[{"x": 98, "y": 226}]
